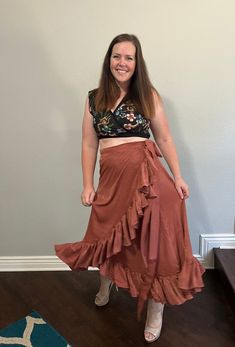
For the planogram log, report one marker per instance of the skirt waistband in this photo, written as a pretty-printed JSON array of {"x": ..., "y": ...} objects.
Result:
[{"x": 151, "y": 145}]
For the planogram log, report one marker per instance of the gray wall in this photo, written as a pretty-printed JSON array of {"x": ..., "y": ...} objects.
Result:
[{"x": 51, "y": 55}]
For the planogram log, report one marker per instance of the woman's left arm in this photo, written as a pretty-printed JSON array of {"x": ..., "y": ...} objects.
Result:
[{"x": 161, "y": 133}]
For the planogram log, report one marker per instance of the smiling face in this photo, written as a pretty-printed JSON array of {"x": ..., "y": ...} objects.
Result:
[{"x": 122, "y": 63}]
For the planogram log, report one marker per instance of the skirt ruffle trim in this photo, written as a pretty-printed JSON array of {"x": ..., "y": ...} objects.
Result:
[
  {"x": 81, "y": 255},
  {"x": 171, "y": 289}
]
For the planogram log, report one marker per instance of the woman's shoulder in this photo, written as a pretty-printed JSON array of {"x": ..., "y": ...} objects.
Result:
[
  {"x": 155, "y": 93},
  {"x": 157, "y": 99},
  {"x": 92, "y": 93},
  {"x": 91, "y": 98}
]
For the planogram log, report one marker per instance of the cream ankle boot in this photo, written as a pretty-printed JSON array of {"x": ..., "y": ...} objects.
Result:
[
  {"x": 153, "y": 323},
  {"x": 102, "y": 297}
]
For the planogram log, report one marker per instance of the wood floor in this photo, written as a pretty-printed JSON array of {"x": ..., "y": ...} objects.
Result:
[{"x": 65, "y": 300}]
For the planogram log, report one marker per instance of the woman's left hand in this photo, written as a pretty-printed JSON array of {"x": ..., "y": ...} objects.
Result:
[{"x": 182, "y": 188}]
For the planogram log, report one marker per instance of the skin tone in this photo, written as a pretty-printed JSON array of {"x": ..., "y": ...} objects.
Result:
[
  {"x": 122, "y": 67},
  {"x": 122, "y": 64}
]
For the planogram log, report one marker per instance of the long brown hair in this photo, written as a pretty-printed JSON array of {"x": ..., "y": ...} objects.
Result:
[{"x": 140, "y": 89}]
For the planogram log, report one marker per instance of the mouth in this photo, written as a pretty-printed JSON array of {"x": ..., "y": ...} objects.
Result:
[{"x": 121, "y": 72}]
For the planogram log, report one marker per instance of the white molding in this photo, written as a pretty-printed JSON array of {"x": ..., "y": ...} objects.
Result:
[
  {"x": 34, "y": 263},
  {"x": 52, "y": 263},
  {"x": 210, "y": 241}
]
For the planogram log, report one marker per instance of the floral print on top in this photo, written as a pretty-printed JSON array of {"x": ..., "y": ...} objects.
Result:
[{"x": 125, "y": 121}]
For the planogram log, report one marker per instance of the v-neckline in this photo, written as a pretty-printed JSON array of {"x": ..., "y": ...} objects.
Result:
[{"x": 118, "y": 105}]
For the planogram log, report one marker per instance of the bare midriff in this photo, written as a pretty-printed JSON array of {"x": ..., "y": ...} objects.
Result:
[{"x": 109, "y": 142}]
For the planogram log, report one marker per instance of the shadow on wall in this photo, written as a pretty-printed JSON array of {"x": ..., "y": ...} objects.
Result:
[
  {"x": 40, "y": 153},
  {"x": 40, "y": 146},
  {"x": 198, "y": 218}
]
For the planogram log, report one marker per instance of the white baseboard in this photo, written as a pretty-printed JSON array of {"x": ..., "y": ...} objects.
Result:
[
  {"x": 34, "y": 263},
  {"x": 52, "y": 263},
  {"x": 210, "y": 241}
]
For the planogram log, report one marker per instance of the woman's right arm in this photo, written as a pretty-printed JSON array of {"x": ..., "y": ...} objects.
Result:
[{"x": 90, "y": 145}]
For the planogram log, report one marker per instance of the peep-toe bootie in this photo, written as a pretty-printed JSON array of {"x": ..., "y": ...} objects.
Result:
[
  {"x": 153, "y": 324},
  {"x": 103, "y": 299}
]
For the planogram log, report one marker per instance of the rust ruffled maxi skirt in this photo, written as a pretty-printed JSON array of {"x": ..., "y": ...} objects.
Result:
[{"x": 137, "y": 233}]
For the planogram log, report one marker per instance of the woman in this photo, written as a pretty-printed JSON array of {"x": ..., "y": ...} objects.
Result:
[{"x": 137, "y": 233}]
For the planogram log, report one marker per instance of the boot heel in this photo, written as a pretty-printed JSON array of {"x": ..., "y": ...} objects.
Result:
[
  {"x": 102, "y": 300},
  {"x": 153, "y": 324}
]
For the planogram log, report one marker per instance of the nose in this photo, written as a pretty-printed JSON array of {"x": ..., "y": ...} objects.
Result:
[{"x": 121, "y": 61}]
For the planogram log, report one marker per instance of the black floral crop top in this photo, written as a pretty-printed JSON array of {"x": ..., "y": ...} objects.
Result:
[{"x": 124, "y": 121}]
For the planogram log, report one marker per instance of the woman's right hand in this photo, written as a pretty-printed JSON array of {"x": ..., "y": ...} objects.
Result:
[{"x": 87, "y": 196}]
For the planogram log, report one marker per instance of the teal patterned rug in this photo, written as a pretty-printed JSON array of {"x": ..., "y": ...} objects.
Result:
[{"x": 31, "y": 331}]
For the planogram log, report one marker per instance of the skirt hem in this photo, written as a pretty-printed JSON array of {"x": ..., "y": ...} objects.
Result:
[{"x": 141, "y": 225}]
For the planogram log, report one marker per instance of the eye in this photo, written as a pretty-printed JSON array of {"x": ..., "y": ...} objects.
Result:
[
  {"x": 130, "y": 58},
  {"x": 115, "y": 56}
]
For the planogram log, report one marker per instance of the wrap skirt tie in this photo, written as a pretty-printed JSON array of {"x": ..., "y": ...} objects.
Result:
[{"x": 137, "y": 233}]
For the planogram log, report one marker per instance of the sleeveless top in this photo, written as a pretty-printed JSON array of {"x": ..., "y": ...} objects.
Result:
[{"x": 124, "y": 121}]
